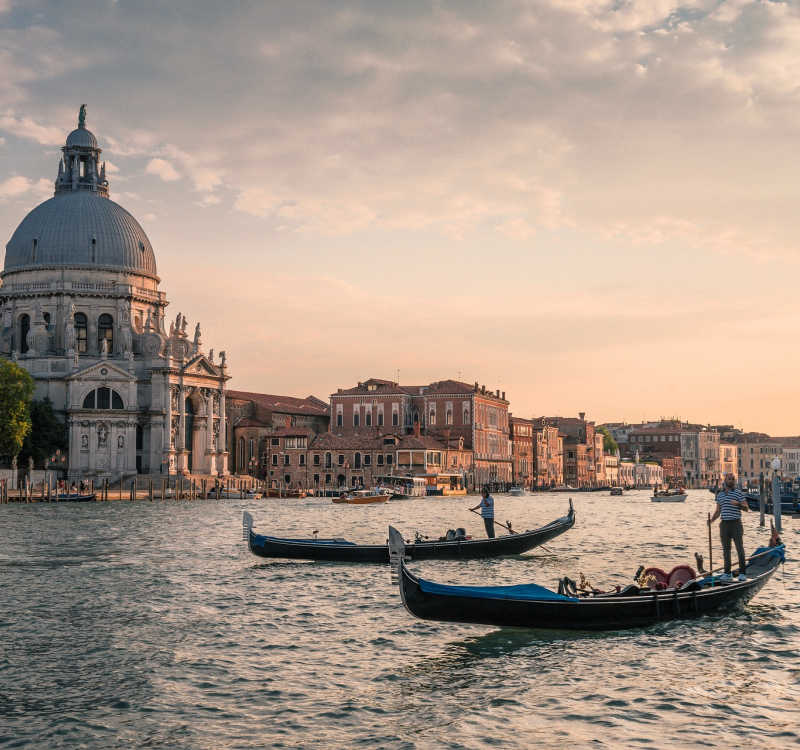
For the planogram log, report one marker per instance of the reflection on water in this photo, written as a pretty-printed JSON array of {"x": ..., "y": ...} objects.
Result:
[{"x": 149, "y": 624}]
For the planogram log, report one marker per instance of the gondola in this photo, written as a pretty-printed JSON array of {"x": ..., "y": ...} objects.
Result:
[
  {"x": 75, "y": 497},
  {"x": 533, "y": 606},
  {"x": 343, "y": 551}
]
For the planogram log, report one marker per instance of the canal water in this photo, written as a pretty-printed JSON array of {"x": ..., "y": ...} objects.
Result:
[{"x": 150, "y": 625}]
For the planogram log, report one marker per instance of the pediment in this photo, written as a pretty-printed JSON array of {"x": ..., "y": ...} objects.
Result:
[
  {"x": 200, "y": 365},
  {"x": 103, "y": 371}
]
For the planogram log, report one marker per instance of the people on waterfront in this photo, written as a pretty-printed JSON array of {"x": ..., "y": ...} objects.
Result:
[
  {"x": 487, "y": 511},
  {"x": 730, "y": 504}
]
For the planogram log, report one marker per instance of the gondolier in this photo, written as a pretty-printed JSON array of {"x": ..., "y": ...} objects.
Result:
[
  {"x": 487, "y": 511},
  {"x": 730, "y": 504}
]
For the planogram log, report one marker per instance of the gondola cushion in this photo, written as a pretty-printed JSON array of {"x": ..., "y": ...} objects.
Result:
[{"x": 525, "y": 591}]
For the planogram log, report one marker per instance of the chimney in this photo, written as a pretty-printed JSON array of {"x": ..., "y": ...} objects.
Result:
[
  {"x": 504, "y": 396},
  {"x": 582, "y": 415},
  {"x": 497, "y": 393},
  {"x": 476, "y": 386}
]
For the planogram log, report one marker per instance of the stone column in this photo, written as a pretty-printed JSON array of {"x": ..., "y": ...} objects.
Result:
[
  {"x": 183, "y": 459},
  {"x": 222, "y": 440},
  {"x": 211, "y": 458},
  {"x": 167, "y": 451}
]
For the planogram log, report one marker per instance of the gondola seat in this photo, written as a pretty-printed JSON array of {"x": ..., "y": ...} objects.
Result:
[{"x": 680, "y": 575}]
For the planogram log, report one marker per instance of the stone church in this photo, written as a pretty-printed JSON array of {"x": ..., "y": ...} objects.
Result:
[{"x": 81, "y": 310}]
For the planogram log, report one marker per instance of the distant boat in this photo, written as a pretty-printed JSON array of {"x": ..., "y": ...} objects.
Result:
[
  {"x": 361, "y": 497},
  {"x": 616, "y": 491},
  {"x": 517, "y": 492},
  {"x": 669, "y": 496}
]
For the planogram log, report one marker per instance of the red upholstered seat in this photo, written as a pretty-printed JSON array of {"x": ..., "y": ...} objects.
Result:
[{"x": 679, "y": 575}]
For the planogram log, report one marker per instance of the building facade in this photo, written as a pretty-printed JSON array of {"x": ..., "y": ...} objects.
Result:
[
  {"x": 729, "y": 459},
  {"x": 548, "y": 455},
  {"x": 445, "y": 410},
  {"x": 700, "y": 457},
  {"x": 82, "y": 310},
  {"x": 521, "y": 432}
]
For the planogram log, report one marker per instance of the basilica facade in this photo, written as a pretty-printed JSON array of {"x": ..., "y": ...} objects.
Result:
[{"x": 81, "y": 310}]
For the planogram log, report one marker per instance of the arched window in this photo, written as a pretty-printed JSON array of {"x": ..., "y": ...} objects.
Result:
[
  {"x": 105, "y": 330},
  {"x": 241, "y": 453},
  {"x": 81, "y": 333},
  {"x": 24, "y": 327},
  {"x": 432, "y": 416},
  {"x": 103, "y": 398},
  {"x": 328, "y": 461},
  {"x": 357, "y": 462},
  {"x": 466, "y": 415}
]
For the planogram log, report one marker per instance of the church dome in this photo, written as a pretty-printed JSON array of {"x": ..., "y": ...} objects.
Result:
[
  {"x": 80, "y": 226},
  {"x": 82, "y": 138},
  {"x": 80, "y": 229}
]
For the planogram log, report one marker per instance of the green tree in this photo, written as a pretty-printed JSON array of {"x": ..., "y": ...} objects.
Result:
[
  {"x": 16, "y": 390},
  {"x": 609, "y": 444},
  {"x": 48, "y": 433}
]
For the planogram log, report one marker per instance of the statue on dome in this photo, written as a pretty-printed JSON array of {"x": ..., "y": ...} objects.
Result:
[
  {"x": 82, "y": 116},
  {"x": 222, "y": 358}
]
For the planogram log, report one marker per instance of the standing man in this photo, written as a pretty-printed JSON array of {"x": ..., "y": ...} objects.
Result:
[
  {"x": 487, "y": 511},
  {"x": 730, "y": 504}
]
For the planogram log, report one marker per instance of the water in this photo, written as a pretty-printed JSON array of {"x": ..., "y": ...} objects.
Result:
[{"x": 150, "y": 625}]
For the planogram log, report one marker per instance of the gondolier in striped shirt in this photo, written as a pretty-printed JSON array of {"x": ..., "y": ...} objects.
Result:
[
  {"x": 730, "y": 504},
  {"x": 487, "y": 511}
]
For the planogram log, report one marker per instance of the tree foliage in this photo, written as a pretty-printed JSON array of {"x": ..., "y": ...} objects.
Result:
[
  {"x": 48, "y": 433},
  {"x": 16, "y": 391},
  {"x": 609, "y": 444}
]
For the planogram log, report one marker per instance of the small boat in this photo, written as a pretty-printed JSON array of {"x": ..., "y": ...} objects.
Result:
[
  {"x": 669, "y": 496},
  {"x": 341, "y": 550},
  {"x": 361, "y": 497},
  {"x": 233, "y": 494},
  {"x": 403, "y": 488},
  {"x": 517, "y": 492},
  {"x": 616, "y": 491},
  {"x": 533, "y": 606},
  {"x": 76, "y": 497}
]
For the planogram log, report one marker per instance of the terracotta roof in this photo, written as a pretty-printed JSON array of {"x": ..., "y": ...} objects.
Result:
[
  {"x": 286, "y": 404},
  {"x": 423, "y": 442}
]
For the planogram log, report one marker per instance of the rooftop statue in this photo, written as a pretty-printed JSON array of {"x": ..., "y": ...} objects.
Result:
[{"x": 82, "y": 116}]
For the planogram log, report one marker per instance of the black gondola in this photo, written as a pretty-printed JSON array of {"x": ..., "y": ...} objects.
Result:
[
  {"x": 533, "y": 606},
  {"x": 76, "y": 497},
  {"x": 341, "y": 550}
]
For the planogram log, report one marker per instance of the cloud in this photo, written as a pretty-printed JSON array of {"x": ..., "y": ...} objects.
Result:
[
  {"x": 28, "y": 128},
  {"x": 18, "y": 186},
  {"x": 163, "y": 169}
]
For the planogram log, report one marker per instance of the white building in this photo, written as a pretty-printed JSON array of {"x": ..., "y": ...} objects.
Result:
[{"x": 81, "y": 310}]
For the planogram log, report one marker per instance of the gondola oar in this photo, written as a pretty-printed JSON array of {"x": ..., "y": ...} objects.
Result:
[
  {"x": 710, "y": 548},
  {"x": 496, "y": 523}
]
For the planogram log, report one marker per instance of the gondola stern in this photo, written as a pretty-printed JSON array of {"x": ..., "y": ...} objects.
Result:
[{"x": 247, "y": 528}]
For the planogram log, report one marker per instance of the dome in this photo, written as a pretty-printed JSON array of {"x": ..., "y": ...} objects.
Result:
[
  {"x": 82, "y": 138},
  {"x": 80, "y": 229}
]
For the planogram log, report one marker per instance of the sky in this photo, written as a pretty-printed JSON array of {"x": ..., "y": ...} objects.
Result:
[{"x": 589, "y": 204}]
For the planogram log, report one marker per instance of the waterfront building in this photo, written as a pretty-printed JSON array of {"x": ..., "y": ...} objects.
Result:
[
  {"x": 548, "y": 455},
  {"x": 790, "y": 457},
  {"x": 81, "y": 309},
  {"x": 611, "y": 461},
  {"x": 728, "y": 459},
  {"x": 627, "y": 473},
  {"x": 700, "y": 456},
  {"x": 258, "y": 419},
  {"x": 445, "y": 410},
  {"x": 755, "y": 453},
  {"x": 656, "y": 441},
  {"x": 521, "y": 432},
  {"x": 672, "y": 469},
  {"x": 648, "y": 474},
  {"x": 582, "y": 453}
]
